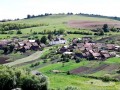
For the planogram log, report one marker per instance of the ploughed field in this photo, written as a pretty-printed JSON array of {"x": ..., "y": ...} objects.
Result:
[
  {"x": 98, "y": 70},
  {"x": 92, "y": 24},
  {"x": 88, "y": 68}
]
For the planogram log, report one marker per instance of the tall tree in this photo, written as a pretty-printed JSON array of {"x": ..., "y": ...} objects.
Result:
[
  {"x": 19, "y": 32},
  {"x": 50, "y": 37},
  {"x": 44, "y": 39},
  {"x": 28, "y": 16},
  {"x": 105, "y": 28}
]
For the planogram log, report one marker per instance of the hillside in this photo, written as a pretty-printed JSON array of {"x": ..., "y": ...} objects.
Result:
[
  {"x": 85, "y": 74},
  {"x": 56, "y": 22}
]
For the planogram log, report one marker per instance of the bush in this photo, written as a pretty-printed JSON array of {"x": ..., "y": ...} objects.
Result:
[
  {"x": 77, "y": 60},
  {"x": 34, "y": 33},
  {"x": 34, "y": 83},
  {"x": 35, "y": 64},
  {"x": 118, "y": 71},
  {"x": 11, "y": 78},
  {"x": 19, "y": 32},
  {"x": 68, "y": 72}
]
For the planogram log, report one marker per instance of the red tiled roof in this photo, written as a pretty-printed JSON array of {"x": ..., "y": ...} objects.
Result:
[{"x": 96, "y": 54}]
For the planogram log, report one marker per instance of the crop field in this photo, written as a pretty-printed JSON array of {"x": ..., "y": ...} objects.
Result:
[
  {"x": 99, "y": 69},
  {"x": 56, "y": 22},
  {"x": 61, "y": 80},
  {"x": 92, "y": 24}
]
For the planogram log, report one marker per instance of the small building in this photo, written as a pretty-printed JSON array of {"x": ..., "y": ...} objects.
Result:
[
  {"x": 87, "y": 39},
  {"x": 31, "y": 41},
  {"x": 57, "y": 41},
  {"x": 110, "y": 46},
  {"x": 68, "y": 53},
  {"x": 35, "y": 46}
]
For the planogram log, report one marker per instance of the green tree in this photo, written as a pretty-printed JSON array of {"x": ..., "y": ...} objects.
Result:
[
  {"x": 11, "y": 78},
  {"x": 101, "y": 32},
  {"x": 5, "y": 48},
  {"x": 50, "y": 37},
  {"x": 11, "y": 48},
  {"x": 19, "y": 32},
  {"x": 43, "y": 39},
  {"x": 105, "y": 28}
]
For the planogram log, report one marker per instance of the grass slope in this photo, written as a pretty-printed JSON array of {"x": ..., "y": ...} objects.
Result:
[
  {"x": 62, "y": 80},
  {"x": 54, "y": 22}
]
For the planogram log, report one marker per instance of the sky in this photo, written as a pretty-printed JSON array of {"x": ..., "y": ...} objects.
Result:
[{"x": 11, "y": 9}]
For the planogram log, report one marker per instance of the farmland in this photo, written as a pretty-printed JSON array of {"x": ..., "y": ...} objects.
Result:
[
  {"x": 92, "y": 24},
  {"x": 73, "y": 80},
  {"x": 81, "y": 75}
]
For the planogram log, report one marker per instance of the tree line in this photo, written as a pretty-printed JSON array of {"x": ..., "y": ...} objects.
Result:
[
  {"x": 99, "y": 16},
  {"x": 69, "y": 13},
  {"x": 15, "y": 26},
  {"x": 105, "y": 29}
]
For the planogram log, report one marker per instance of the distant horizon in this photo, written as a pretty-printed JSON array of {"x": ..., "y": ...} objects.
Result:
[
  {"x": 13, "y": 9},
  {"x": 56, "y": 14}
]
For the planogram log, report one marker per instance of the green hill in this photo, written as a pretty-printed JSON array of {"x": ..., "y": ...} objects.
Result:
[{"x": 94, "y": 69}]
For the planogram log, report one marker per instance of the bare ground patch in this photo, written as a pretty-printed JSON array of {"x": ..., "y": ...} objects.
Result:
[
  {"x": 79, "y": 70},
  {"x": 92, "y": 24},
  {"x": 108, "y": 68},
  {"x": 3, "y": 60}
]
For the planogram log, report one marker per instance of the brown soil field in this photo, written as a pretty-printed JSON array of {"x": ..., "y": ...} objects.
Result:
[
  {"x": 3, "y": 60},
  {"x": 92, "y": 24},
  {"x": 79, "y": 70},
  {"x": 92, "y": 70}
]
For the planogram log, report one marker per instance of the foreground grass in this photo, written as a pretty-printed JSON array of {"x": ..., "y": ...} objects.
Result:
[
  {"x": 62, "y": 80},
  {"x": 113, "y": 60},
  {"x": 67, "y": 66}
]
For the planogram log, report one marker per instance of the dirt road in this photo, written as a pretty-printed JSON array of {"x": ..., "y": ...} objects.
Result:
[{"x": 32, "y": 57}]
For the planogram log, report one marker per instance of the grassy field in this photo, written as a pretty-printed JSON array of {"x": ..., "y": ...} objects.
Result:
[
  {"x": 113, "y": 60},
  {"x": 54, "y": 22},
  {"x": 62, "y": 80}
]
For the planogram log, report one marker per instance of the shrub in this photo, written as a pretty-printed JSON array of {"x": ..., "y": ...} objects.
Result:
[
  {"x": 35, "y": 33},
  {"x": 19, "y": 32},
  {"x": 11, "y": 78},
  {"x": 77, "y": 60},
  {"x": 118, "y": 71},
  {"x": 34, "y": 83},
  {"x": 68, "y": 72},
  {"x": 106, "y": 78},
  {"x": 35, "y": 64}
]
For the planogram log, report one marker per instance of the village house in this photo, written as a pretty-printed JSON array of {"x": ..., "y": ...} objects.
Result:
[
  {"x": 4, "y": 43},
  {"x": 87, "y": 39},
  {"x": 22, "y": 45},
  {"x": 91, "y": 50},
  {"x": 35, "y": 46},
  {"x": 57, "y": 41}
]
